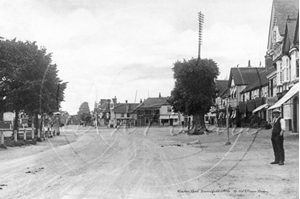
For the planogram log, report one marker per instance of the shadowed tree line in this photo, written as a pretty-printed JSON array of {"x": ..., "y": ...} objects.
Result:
[{"x": 29, "y": 80}]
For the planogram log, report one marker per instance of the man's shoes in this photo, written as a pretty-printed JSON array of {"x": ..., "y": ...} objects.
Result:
[
  {"x": 274, "y": 162},
  {"x": 281, "y": 163}
]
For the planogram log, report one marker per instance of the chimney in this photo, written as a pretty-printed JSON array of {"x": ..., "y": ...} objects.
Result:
[
  {"x": 159, "y": 95},
  {"x": 126, "y": 101},
  {"x": 141, "y": 101},
  {"x": 249, "y": 65},
  {"x": 268, "y": 62}
]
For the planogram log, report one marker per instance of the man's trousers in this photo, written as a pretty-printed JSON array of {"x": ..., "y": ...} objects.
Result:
[{"x": 277, "y": 142}]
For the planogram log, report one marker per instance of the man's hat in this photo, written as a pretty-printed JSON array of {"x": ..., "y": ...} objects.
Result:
[{"x": 276, "y": 110}]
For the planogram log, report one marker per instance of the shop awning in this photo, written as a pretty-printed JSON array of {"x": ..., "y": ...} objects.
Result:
[
  {"x": 174, "y": 117},
  {"x": 164, "y": 117},
  {"x": 260, "y": 108},
  {"x": 294, "y": 90}
]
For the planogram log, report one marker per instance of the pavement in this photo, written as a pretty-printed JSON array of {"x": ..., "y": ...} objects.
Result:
[{"x": 151, "y": 162}]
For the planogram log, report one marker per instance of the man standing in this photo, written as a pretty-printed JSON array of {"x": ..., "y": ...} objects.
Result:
[{"x": 277, "y": 137}]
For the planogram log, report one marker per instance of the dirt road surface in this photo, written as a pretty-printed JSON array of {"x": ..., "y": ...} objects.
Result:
[{"x": 150, "y": 163}]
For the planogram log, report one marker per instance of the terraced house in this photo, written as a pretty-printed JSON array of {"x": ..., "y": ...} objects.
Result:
[{"x": 283, "y": 56}]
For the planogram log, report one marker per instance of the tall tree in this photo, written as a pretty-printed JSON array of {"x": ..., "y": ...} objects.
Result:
[
  {"x": 28, "y": 80},
  {"x": 194, "y": 89},
  {"x": 84, "y": 112}
]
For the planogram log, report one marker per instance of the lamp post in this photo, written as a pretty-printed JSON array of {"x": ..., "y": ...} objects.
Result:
[{"x": 227, "y": 122}]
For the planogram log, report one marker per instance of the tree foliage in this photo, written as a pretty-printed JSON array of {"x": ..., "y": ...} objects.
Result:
[
  {"x": 28, "y": 79},
  {"x": 194, "y": 88},
  {"x": 84, "y": 112}
]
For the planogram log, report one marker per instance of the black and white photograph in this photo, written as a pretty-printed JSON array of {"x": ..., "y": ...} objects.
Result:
[{"x": 149, "y": 99}]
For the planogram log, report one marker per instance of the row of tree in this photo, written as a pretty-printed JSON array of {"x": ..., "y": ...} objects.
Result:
[{"x": 29, "y": 80}]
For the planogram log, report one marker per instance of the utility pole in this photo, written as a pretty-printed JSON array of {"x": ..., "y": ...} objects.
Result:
[
  {"x": 201, "y": 21},
  {"x": 227, "y": 122}
]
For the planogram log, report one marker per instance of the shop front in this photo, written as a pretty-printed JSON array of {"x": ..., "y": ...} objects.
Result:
[{"x": 289, "y": 106}]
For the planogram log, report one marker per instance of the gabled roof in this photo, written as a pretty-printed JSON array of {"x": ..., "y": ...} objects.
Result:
[
  {"x": 244, "y": 75},
  {"x": 281, "y": 11},
  {"x": 260, "y": 81},
  {"x": 153, "y": 102},
  {"x": 222, "y": 87},
  {"x": 296, "y": 37},
  {"x": 225, "y": 93},
  {"x": 289, "y": 35},
  {"x": 125, "y": 107},
  {"x": 285, "y": 9}
]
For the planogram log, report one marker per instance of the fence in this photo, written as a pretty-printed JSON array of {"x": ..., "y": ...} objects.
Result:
[{"x": 24, "y": 132}]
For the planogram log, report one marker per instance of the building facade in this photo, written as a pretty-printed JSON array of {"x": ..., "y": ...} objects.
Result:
[{"x": 283, "y": 50}]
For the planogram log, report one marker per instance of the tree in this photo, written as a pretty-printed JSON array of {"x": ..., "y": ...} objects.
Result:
[
  {"x": 84, "y": 112},
  {"x": 194, "y": 89},
  {"x": 28, "y": 80}
]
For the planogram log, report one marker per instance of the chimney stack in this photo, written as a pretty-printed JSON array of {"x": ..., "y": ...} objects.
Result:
[
  {"x": 159, "y": 95},
  {"x": 268, "y": 62},
  {"x": 249, "y": 65},
  {"x": 126, "y": 101}
]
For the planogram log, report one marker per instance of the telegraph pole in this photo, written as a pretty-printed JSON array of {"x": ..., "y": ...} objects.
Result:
[
  {"x": 227, "y": 121},
  {"x": 201, "y": 21}
]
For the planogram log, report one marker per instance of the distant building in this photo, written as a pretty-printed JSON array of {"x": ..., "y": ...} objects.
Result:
[
  {"x": 104, "y": 111},
  {"x": 156, "y": 111},
  {"x": 241, "y": 104},
  {"x": 221, "y": 101},
  {"x": 123, "y": 113}
]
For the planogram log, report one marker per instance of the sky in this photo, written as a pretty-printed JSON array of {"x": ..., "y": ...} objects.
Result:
[{"x": 127, "y": 48}]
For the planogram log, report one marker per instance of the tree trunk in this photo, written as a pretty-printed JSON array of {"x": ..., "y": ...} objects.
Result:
[
  {"x": 36, "y": 123},
  {"x": 199, "y": 124},
  {"x": 16, "y": 124},
  {"x": 41, "y": 123}
]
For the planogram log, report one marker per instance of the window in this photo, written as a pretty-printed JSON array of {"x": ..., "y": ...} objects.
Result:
[
  {"x": 128, "y": 115},
  {"x": 122, "y": 114},
  {"x": 280, "y": 73},
  {"x": 169, "y": 109},
  {"x": 297, "y": 68}
]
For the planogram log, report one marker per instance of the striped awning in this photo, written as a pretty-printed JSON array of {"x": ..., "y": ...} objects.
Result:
[
  {"x": 293, "y": 91},
  {"x": 164, "y": 117},
  {"x": 260, "y": 108}
]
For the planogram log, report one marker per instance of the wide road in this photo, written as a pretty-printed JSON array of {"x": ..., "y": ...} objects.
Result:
[{"x": 137, "y": 163}]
